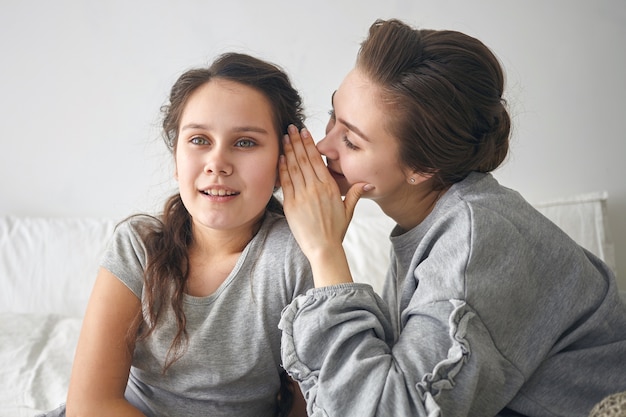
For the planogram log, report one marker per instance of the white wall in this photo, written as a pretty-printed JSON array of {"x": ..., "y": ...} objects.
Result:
[{"x": 81, "y": 84}]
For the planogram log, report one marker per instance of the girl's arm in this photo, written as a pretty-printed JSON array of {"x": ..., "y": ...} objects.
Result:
[
  {"x": 104, "y": 352},
  {"x": 298, "y": 407},
  {"x": 317, "y": 215}
]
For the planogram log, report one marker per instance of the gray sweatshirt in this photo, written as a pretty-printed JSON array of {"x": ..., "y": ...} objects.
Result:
[{"x": 488, "y": 309}]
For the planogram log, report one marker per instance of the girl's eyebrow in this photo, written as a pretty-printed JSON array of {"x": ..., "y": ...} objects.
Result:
[
  {"x": 250, "y": 129},
  {"x": 193, "y": 126}
]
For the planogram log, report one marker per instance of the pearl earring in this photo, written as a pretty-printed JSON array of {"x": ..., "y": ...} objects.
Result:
[{"x": 412, "y": 180}]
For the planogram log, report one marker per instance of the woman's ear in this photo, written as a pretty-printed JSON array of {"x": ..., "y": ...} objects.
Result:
[{"x": 413, "y": 177}]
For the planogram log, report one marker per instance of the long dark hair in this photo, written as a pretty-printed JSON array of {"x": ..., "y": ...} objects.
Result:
[
  {"x": 443, "y": 90},
  {"x": 168, "y": 244}
]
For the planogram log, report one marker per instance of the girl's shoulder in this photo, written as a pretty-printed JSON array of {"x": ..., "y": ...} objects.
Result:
[
  {"x": 275, "y": 236},
  {"x": 275, "y": 225},
  {"x": 140, "y": 224}
]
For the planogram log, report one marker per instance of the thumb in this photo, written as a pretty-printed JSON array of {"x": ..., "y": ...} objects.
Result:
[{"x": 353, "y": 195}]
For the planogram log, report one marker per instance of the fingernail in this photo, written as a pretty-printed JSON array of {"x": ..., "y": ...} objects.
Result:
[
  {"x": 368, "y": 187},
  {"x": 286, "y": 139},
  {"x": 305, "y": 133},
  {"x": 292, "y": 129}
]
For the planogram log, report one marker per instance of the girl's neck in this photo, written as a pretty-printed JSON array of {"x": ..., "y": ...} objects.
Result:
[
  {"x": 223, "y": 242},
  {"x": 213, "y": 255}
]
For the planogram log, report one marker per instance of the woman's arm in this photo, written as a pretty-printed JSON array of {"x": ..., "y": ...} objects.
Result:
[
  {"x": 105, "y": 350},
  {"x": 317, "y": 215}
]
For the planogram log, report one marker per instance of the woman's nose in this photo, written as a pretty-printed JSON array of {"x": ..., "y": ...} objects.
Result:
[{"x": 326, "y": 146}]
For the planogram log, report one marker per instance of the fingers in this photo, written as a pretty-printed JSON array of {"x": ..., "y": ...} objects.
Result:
[
  {"x": 303, "y": 158},
  {"x": 291, "y": 177},
  {"x": 297, "y": 159},
  {"x": 353, "y": 195},
  {"x": 295, "y": 166},
  {"x": 314, "y": 156},
  {"x": 285, "y": 178}
]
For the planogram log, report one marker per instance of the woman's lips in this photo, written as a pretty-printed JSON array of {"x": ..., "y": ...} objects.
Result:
[
  {"x": 335, "y": 174},
  {"x": 340, "y": 179}
]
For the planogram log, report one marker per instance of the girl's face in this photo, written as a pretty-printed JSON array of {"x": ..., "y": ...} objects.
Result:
[
  {"x": 357, "y": 146},
  {"x": 226, "y": 155}
]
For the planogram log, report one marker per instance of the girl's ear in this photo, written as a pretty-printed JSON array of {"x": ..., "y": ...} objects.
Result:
[
  {"x": 277, "y": 183},
  {"x": 174, "y": 160}
]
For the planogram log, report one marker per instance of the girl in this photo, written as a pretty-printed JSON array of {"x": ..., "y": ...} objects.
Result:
[
  {"x": 184, "y": 312},
  {"x": 488, "y": 308}
]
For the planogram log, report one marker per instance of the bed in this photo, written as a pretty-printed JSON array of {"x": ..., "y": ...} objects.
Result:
[{"x": 48, "y": 265}]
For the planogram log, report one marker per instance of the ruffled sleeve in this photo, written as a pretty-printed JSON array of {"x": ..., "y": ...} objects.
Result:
[{"x": 339, "y": 344}]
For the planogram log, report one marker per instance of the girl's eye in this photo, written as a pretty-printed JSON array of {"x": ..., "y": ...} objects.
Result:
[
  {"x": 349, "y": 144},
  {"x": 198, "y": 140},
  {"x": 245, "y": 143}
]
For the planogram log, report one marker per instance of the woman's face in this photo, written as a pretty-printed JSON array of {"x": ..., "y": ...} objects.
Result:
[
  {"x": 226, "y": 155},
  {"x": 357, "y": 146}
]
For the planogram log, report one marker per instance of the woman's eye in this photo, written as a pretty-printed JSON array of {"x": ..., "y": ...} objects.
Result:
[
  {"x": 349, "y": 144},
  {"x": 245, "y": 143},
  {"x": 198, "y": 140},
  {"x": 331, "y": 121}
]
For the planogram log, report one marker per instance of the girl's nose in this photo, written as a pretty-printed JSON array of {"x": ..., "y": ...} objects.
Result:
[{"x": 218, "y": 163}]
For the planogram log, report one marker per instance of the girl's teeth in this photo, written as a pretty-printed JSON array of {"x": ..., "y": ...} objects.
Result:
[{"x": 220, "y": 193}]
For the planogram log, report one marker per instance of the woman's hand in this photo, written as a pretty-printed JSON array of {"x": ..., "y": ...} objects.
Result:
[{"x": 317, "y": 215}]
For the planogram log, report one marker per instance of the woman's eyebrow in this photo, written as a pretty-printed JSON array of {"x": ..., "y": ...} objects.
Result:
[
  {"x": 346, "y": 123},
  {"x": 354, "y": 129}
]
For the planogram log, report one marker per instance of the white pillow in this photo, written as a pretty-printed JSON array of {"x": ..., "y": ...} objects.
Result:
[
  {"x": 48, "y": 265},
  {"x": 367, "y": 245},
  {"x": 584, "y": 218}
]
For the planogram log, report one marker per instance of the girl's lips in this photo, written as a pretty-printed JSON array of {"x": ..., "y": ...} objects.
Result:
[{"x": 219, "y": 192}]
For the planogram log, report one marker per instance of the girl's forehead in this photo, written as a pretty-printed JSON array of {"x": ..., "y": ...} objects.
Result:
[{"x": 223, "y": 93}]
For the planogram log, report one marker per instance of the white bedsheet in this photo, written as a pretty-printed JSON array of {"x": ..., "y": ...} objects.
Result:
[{"x": 35, "y": 371}]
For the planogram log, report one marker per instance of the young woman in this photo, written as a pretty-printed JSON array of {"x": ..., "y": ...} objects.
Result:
[
  {"x": 488, "y": 308},
  {"x": 184, "y": 312}
]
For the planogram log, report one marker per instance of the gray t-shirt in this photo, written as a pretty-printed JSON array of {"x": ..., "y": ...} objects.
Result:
[
  {"x": 487, "y": 305},
  {"x": 232, "y": 362}
]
